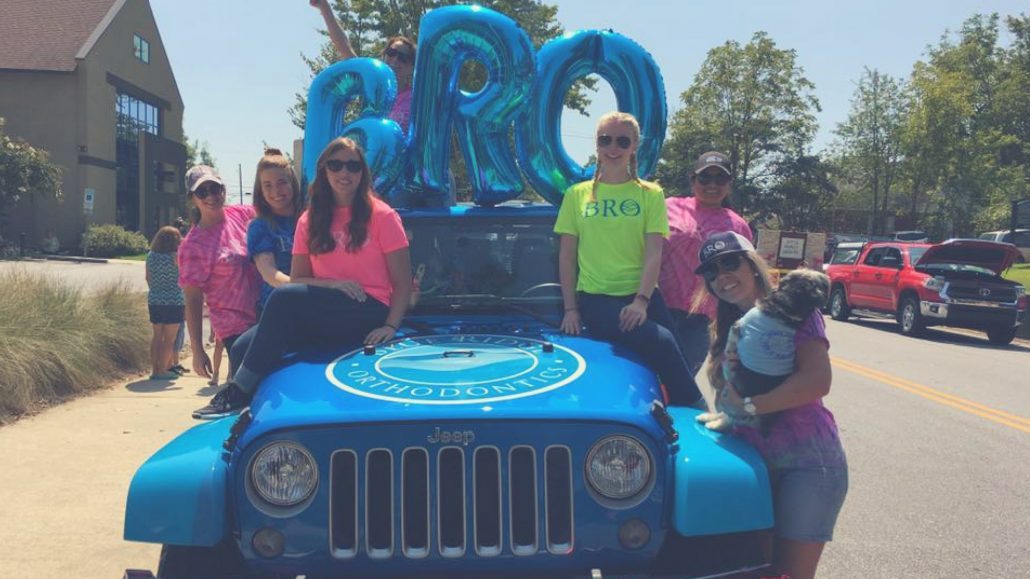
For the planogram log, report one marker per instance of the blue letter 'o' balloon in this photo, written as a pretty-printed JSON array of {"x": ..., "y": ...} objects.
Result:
[{"x": 639, "y": 90}]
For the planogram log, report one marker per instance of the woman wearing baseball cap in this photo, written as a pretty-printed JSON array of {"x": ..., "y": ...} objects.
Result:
[
  {"x": 611, "y": 248},
  {"x": 691, "y": 221},
  {"x": 214, "y": 266},
  {"x": 798, "y": 437}
]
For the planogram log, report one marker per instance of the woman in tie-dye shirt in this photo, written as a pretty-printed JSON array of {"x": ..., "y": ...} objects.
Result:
[
  {"x": 214, "y": 266},
  {"x": 798, "y": 438}
]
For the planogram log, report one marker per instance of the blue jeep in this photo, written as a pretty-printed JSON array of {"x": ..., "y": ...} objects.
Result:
[{"x": 480, "y": 442}]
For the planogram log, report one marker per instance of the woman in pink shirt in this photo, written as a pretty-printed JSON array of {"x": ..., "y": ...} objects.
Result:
[
  {"x": 350, "y": 277},
  {"x": 214, "y": 266},
  {"x": 691, "y": 221}
]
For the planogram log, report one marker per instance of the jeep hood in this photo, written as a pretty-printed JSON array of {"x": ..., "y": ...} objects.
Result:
[
  {"x": 459, "y": 377},
  {"x": 991, "y": 255}
]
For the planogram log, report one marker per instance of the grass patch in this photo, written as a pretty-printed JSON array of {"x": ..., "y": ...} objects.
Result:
[
  {"x": 1019, "y": 273},
  {"x": 137, "y": 257},
  {"x": 57, "y": 341}
]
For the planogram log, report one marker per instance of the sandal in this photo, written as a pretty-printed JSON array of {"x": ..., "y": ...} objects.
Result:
[{"x": 179, "y": 369}]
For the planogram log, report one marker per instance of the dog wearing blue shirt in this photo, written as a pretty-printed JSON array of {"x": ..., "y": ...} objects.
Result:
[{"x": 760, "y": 346}]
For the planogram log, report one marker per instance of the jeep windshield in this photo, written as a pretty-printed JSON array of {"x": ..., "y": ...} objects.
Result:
[{"x": 470, "y": 262}]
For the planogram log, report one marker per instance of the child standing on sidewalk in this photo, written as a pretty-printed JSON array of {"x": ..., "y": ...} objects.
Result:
[{"x": 164, "y": 300}]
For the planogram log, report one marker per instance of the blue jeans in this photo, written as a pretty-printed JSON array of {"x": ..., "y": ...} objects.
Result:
[
  {"x": 652, "y": 341},
  {"x": 693, "y": 336},
  {"x": 298, "y": 316}
]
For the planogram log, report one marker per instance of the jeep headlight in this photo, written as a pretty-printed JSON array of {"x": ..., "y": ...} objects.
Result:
[
  {"x": 935, "y": 283},
  {"x": 284, "y": 474},
  {"x": 618, "y": 467},
  {"x": 1020, "y": 291}
]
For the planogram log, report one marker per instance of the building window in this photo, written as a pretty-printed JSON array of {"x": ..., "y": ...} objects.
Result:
[
  {"x": 141, "y": 48},
  {"x": 133, "y": 116}
]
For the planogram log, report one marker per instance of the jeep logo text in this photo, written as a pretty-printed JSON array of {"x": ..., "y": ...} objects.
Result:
[{"x": 465, "y": 437}]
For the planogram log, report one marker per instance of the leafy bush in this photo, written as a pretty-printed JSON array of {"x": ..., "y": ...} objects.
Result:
[
  {"x": 113, "y": 241},
  {"x": 56, "y": 340}
]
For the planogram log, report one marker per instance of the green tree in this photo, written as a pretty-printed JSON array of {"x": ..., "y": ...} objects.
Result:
[
  {"x": 752, "y": 102},
  {"x": 966, "y": 142},
  {"x": 198, "y": 153},
  {"x": 870, "y": 142},
  {"x": 804, "y": 193},
  {"x": 24, "y": 171},
  {"x": 368, "y": 23}
]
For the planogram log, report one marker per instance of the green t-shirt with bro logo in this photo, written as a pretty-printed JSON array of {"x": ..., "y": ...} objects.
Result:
[{"x": 611, "y": 230}]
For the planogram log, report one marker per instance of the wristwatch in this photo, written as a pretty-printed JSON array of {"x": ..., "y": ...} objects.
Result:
[{"x": 749, "y": 406}]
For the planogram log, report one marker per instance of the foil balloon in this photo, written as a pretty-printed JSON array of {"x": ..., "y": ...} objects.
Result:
[
  {"x": 639, "y": 90},
  {"x": 448, "y": 38},
  {"x": 331, "y": 92}
]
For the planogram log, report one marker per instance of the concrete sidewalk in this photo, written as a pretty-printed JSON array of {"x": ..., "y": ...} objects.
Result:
[{"x": 67, "y": 473}]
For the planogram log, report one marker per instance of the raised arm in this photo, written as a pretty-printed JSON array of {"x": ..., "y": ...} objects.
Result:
[{"x": 336, "y": 33}]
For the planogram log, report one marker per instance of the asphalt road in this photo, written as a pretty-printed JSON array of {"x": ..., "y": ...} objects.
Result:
[{"x": 937, "y": 433}]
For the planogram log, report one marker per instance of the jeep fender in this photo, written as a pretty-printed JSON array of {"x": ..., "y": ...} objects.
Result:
[
  {"x": 178, "y": 497},
  {"x": 721, "y": 482}
]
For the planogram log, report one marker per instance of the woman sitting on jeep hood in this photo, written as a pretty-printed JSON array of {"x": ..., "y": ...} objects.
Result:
[{"x": 350, "y": 276}]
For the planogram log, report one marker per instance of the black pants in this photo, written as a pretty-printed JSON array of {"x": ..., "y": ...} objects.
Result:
[{"x": 652, "y": 341}]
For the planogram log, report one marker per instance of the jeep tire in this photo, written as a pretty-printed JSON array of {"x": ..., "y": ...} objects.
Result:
[
  {"x": 223, "y": 561},
  {"x": 1001, "y": 335},
  {"x": 910, "y": 320},
  {"x": 839, "y": 309}
]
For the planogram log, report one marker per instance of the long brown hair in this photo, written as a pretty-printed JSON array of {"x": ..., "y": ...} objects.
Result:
[
  {"x": 322, "y": 203},
  {"x": 274, "y": 159},
  {"x": 726, "y": 314},
  {"x": 166, "y": 240}
]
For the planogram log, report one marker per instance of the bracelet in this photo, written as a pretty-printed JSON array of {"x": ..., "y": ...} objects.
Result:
[
  {"x": 646, "y": 299},
  {"x": 391, "y": 326}
]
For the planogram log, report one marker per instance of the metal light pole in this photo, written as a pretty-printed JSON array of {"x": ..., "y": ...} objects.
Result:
[{"x": 239, "y": 171}]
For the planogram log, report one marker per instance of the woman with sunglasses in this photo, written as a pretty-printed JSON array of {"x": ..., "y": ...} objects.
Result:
[
  {"x": 611, "y": 248},
  {"x": 350, "y": 277},
  {"x": 691, "y": 221},
  {"x": 399, "y": 55},
  {"x": 214, "y": 267},
  {"x": 798, "y": 437}
]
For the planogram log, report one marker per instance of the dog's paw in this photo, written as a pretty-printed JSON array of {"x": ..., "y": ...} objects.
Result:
[{"x": 706, "y": 417}]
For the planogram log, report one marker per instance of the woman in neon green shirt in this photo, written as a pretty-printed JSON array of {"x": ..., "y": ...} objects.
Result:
[{"x": 611, "y": 250}]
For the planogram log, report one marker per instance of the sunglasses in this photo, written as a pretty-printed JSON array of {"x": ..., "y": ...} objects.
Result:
[
  {"x": 727, "y": 263},
  {"x": 204, "y": 191},
  {"x": 718, "y": 179},
  {"x": 400, "y": 55},
  {"x": 606, "y": 140},
  {"x": 336, "y": 165}
]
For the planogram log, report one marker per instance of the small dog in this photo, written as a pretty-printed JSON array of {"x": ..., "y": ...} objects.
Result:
[{"x": 760, "y": 345}]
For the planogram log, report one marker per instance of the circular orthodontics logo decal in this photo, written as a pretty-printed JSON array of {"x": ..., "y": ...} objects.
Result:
[{"x": 456, "y": 369}]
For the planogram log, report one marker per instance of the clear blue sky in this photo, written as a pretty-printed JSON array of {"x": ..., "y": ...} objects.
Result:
[{"x": 238, "y": 65}]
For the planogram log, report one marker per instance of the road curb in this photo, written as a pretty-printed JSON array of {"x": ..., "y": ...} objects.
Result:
[{"x": 76, "y": 259}]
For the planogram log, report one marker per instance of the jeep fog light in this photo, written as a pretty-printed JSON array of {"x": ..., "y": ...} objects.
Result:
[
  {"x": 284, "y": 474},
  {"x": 268, "y": 543},
  {"x": 618, "y": 467},
  {"x": 634, "y": 534}
]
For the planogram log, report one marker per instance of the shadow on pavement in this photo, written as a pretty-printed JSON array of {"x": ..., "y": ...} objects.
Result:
[
  {"x": 940, "y": 335},
  {"x": 150, "y": 386}
]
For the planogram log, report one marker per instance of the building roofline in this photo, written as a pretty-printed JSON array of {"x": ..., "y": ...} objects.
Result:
[{"x": 100, "y": 29}]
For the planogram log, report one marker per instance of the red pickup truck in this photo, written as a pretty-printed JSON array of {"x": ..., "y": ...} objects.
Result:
[{"x": 955, "y": 283}]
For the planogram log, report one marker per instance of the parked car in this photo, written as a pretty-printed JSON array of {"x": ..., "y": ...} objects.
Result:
[
  {"x": 954, "y": 283},
  {"x": 1021, "y": 241},
  {"x": 481, "y": 442},
  {"x": 910, "y": 236}
]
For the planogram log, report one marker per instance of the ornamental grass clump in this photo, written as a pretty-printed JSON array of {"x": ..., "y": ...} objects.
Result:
[{"x": 57, "y": 340}]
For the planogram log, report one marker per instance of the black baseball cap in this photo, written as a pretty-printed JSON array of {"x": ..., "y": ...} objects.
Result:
[
  {"x": 713, "y": 159},
  {"x": 720, "y": 244}
]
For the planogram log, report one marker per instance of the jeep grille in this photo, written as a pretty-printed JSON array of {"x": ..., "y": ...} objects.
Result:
[{"x": 427, "y": 499}]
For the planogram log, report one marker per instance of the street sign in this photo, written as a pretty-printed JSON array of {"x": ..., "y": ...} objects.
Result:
[{"x": 87, "y": 202}]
